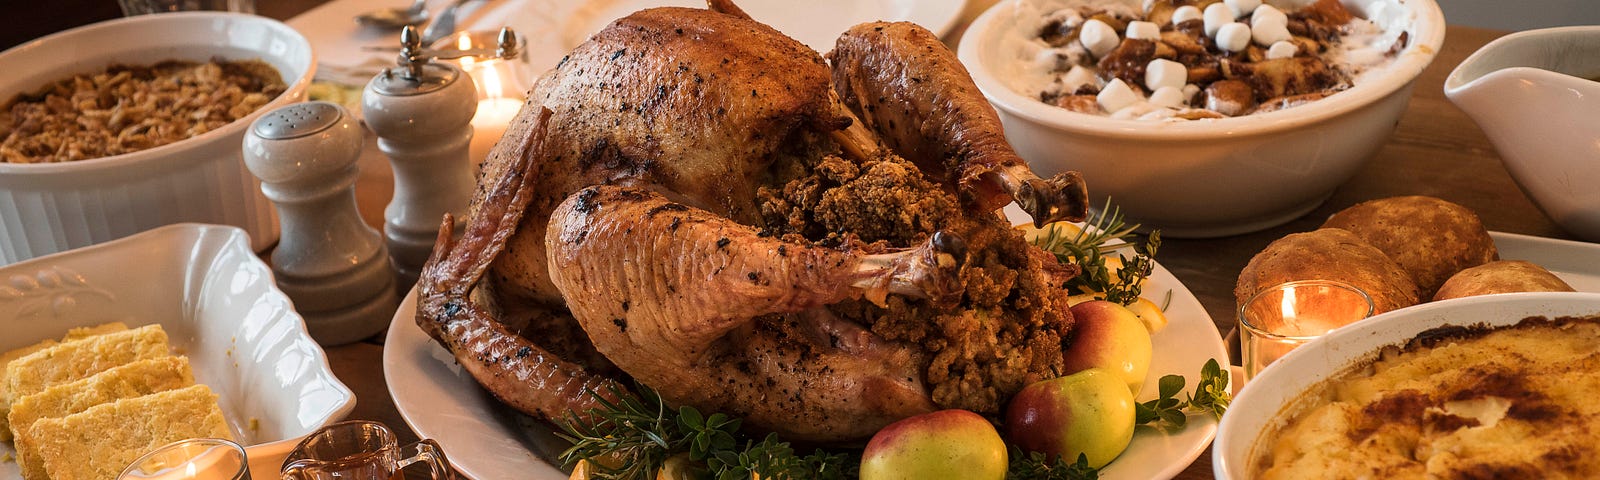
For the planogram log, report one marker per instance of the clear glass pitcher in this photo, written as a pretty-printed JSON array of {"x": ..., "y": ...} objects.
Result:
[{"x": 361, "y": 450}]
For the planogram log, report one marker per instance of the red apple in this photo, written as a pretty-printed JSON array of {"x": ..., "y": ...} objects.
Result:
[
  {"x": 943, "y": 444},
  {"x": 1109, "y": 336},
  {"x": 1090, "y": 412}
]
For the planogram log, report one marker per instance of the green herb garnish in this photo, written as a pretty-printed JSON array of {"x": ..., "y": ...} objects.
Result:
[
  {"x": 1035, "y": 465},
  {"x": 632, "y": 437},
  {"x": 1210, "y": 396},
  {"x": 1089, "y": 247}
]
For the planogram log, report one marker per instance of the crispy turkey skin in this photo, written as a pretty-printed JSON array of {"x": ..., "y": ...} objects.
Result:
[{"x": 690, "y": 193}]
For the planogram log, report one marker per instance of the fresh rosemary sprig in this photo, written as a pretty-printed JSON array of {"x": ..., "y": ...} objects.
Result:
[
  {"x": 631, "y": 438},
  {"x": 1089, "y": 247},
  {"x": 1036, "y": 466},
  {"x": 1210, "y": 396}
]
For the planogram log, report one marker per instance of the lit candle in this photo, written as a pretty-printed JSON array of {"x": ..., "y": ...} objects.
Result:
[
  {"x": 194, "y": 459},
  {"x": 500, "y": 93},
  {"x": 1283, "y": 317},
  {"x": 494, "y": 115}
]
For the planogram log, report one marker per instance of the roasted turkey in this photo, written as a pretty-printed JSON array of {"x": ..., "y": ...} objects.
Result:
[{"x": 695, "y": 201}]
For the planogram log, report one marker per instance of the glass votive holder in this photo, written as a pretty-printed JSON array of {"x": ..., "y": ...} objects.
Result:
[
  {"x": 195, "y": 458},
  {"x": 502, "y": 85},
  {"x": 1285, "y": 316}
]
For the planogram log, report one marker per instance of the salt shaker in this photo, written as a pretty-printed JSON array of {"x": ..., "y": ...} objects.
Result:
[
  {"x": 422, "y": 112},
  {"x": 331, "y": 264}
]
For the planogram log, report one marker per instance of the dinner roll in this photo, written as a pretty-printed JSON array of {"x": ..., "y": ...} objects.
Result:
[
  {"x": 1329, "y": 254},
  {"x": 1504, "y": 276},
  {"x": 1430, "y": 238}
]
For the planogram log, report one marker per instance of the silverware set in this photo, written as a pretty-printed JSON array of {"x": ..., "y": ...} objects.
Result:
[{"x": 417, "y": 15}]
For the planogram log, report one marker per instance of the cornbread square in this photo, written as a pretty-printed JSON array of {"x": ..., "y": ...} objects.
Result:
[
  {"x": 97, "y": 443},
  {"x": 81, "y": 358},
  {"x": 101, "y": 329},
  {"x": 136, "y": 379},
  {"x": 6, "y": 358}
]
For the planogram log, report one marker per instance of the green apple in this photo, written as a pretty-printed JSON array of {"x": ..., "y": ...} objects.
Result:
[
  {"x": 1089, "y": 412},
  {"x": 1109, "y": 336},
  {"x": 955, "y": 444}
]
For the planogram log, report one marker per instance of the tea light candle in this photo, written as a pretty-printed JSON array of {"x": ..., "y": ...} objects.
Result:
[
  {"x": 494, "y": 115},
  {"x": 1278, "y": 319},
  {"x": 194, "y": 459},
  {"x": 500, "y": 91}
]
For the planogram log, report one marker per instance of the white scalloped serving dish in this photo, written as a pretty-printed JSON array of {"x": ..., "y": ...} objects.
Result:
[{"x": 219, "y": 305}]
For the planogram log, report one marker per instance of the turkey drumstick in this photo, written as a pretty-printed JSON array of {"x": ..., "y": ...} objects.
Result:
[
  {"x": 515, "y": 370},
  {"x": 904, "y": 84},
  {"x": 706, "y": 310}
]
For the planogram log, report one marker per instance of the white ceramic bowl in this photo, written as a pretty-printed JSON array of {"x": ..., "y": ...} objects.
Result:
[
  {"x": 47, "y": 208},
  {"x": 1204, "y": 178},
  {"x": 1264, "y": 396},
  {"x": 1536, "y": 95},
  {"x": 219, "y": 305}
]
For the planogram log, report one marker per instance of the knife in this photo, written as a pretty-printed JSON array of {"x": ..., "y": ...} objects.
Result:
[{"x": 444, "y": 25}]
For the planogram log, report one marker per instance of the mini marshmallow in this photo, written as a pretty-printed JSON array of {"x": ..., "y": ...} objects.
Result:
[
  {"x": 1266, "y": 14},
  {"x": 1186, "y": 13},
  {"x": 1143, "y": 31},
  {"x": 1241, "y": 8},
  {"x": 1233, "y": 37},
  {"x": 1116, "y": 96},
  {"x": 1170, "y": 97},
  {"x": 1215, "y": 17},
  {"x": 1268, "y": 33},
  {"x": 1190, "y": 90},
  {"x": 1161, "y": 73},
  {"x": 1098, "y": 37},
  {"x": 1380, "y": 13},
  {"x": 1284, "y": 49},
  {"x": 1078, "y": 77}
]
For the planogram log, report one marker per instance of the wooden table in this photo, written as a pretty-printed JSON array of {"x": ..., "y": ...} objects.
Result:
[{"x": 1436, "y": 150}]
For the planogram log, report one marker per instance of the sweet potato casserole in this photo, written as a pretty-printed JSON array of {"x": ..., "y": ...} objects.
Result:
[
  {"x": 1198, "y": 59},
  {"x": 126, "y": 109},
  {"x": 1454, "y": 402}
]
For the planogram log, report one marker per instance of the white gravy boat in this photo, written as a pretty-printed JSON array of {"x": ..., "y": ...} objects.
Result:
[{"x": 1535, "y": 96}]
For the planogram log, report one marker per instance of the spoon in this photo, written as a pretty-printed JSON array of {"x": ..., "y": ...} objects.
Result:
[{"x": 392, "y": 18}]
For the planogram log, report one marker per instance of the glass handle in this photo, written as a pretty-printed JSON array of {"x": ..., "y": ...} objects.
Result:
[
  {"x": 296, "y": 470},
  {"x": 427, "y": 450}
]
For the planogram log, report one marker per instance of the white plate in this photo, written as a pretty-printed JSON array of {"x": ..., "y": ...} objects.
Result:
[
  {"x": 219, "y": 305},
  {"x": 485, "y": 441},
  {"x": 1577, "y": 263}
]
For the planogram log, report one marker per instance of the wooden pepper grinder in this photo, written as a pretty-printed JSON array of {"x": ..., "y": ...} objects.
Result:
[
  {"x": 331, "y": 264},
  {"x": 422, "y": 112}
]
